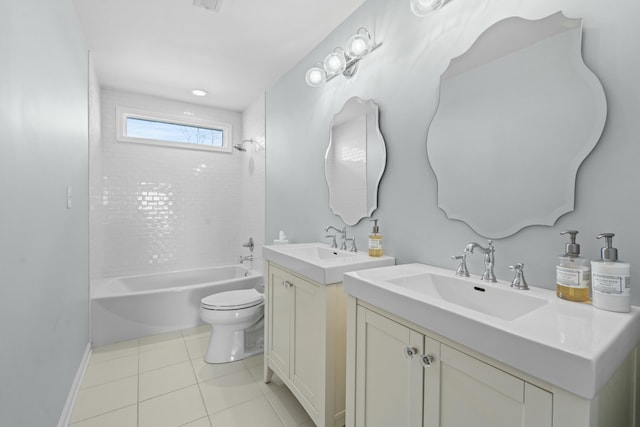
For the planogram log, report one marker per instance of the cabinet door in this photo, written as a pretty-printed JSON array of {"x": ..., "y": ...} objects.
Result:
[
  {"x": 389, "y": 379},
  {"x": 307, "y": 367},
  {"x": 473, "y": 393},
  {"x": 280, "y": 300}
]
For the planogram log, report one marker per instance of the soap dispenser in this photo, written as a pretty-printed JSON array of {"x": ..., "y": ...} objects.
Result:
[
  {"x": 375, "y": 240},
  {"x": 573, "y": 276},
  {"x": 611, "y": 279}
]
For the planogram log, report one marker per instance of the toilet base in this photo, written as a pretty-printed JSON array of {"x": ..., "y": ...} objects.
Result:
[{"x": 230, "y": 345}]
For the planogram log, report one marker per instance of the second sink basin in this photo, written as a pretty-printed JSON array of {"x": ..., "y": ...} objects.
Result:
[
  {"x": 321, "y": 263},
  {"x": 497, "y": 302}
]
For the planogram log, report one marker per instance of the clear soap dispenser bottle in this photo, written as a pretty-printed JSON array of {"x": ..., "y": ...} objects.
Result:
[
  {"x": 573, "y": 275},
  {"x": 611, "y": 279},
  {"x": 375, "y": 240}
]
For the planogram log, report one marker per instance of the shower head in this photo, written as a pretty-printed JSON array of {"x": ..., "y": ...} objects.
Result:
[{"x": 240, "y": 147}]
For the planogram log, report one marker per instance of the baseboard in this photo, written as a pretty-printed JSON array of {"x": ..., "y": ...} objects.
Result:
[{"x": 75, "y": 387}]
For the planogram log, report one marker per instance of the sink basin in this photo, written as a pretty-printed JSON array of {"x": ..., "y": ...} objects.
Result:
[
  {"x": 321, "y": 263},
  {"x": 569, "y": 345},
  {"x": 503, "y": 303}
]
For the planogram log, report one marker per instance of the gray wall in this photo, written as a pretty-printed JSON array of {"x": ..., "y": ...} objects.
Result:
[
  {"x": 403, "y": 76},
  {"x": 43, "y": 245}
]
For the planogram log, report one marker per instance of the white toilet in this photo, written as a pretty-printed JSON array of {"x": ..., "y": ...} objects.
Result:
[{"x": 237, "y": 324}]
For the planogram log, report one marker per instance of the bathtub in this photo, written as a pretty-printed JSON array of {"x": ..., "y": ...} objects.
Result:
[{"x": 124, "y": 308}]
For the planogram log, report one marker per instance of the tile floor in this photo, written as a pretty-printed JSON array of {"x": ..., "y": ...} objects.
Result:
[{"x": 162, "y": 381}]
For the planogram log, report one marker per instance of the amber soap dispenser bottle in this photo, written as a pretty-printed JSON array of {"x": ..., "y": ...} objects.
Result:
[
  {"x": 375, "y": 240},
  {"x": 573, "y": 272}
]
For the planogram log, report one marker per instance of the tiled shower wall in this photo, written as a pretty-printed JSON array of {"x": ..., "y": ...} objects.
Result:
[{"x": 165, "y": 209}]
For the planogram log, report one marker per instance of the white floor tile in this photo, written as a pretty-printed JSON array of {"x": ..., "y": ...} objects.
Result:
[
  {"x": 110, "y": 370},
  {"x": 254, "y": 361},
  {"x": 105, "y": 398},
  {"x": 229, "y": 390},
  {"x": 125, "y": 417},
  {"x": 172, "y": 409},
  {"x": 197, "y": 347},
  {"x": 207, "y": 371},
  {"x": 154, "y": 342},
  {"x": 288, "y": 408},
  {"x": 198, "y": 332},
  {"x": 257, "y": 372},
  {"x": 114, "y": 351},
  {"x": 164, "y": 380},
  {"x": 202, "y": 422},
  {"x": 256, "y": 412},
  {"x": 168, "y": 354}
]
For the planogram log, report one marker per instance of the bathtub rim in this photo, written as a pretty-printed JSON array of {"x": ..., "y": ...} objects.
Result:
[{"x": 98, "y": 286}]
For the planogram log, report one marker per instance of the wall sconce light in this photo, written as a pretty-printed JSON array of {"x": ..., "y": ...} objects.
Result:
[
  {"x": 425, "y": 7},
  {"x": 342, "y": 61}
]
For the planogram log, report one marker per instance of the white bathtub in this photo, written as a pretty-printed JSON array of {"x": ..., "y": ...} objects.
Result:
[{"x": 124, "y": 308}]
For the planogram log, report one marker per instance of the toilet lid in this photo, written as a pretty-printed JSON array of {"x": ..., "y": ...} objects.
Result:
[{"x": 233, "y": 300}]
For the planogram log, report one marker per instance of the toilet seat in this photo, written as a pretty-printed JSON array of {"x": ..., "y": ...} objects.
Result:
[{"x": 233, "y": 300}]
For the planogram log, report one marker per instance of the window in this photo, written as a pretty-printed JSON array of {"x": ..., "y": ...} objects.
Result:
[{"x": 182, "y": 132}]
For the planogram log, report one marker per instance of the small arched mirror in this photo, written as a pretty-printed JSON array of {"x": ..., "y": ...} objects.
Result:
[
  {"x": 518, "y": 113},
  {"x": 355, "y": 160}
]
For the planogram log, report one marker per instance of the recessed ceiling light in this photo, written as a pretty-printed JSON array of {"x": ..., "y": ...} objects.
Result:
[{"x": 199, "y": 92}]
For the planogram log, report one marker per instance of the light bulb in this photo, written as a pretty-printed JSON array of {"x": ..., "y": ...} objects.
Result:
[
  {"x": 358, "y": 46},
  {"x": 425, "y": 7},
  {"x": 315, "y": 77},
  {"x": 199, "y": 92},
  {"x": 335, "y": 63}
]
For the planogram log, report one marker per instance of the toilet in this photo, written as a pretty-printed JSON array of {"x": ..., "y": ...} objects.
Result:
[{"x": 237, "y": 324}]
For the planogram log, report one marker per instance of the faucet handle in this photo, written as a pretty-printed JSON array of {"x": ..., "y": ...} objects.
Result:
[
  {"x": 353, "y": 247},
  {"x": 462, "y": 267},
  {"x": 334, "y": 244},
  {"x": 519, "y": 281}
]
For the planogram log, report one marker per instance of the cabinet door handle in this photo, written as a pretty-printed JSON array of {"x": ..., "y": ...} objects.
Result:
[
  {"x": 287, "y": 284},
  {"x": 426, "y": 360},
  {"x": 409, "y": 352}
]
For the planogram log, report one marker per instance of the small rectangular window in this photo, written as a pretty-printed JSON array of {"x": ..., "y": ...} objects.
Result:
[{"x": 161, "y": 129}]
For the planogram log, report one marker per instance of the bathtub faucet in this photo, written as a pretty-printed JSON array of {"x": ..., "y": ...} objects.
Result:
[
  {"x": 249, "y": 258},
  {"x": 246, "y": 258}
]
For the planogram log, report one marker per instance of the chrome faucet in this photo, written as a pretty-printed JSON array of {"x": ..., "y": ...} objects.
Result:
[
  {"x": 343, "y": 235},
  {"x": 333, "y": 240},
  {"x": 353, "y": 247},
  {"x": 489, "y": 259},
  {"x": 462, "y": 267},
  {"x": 518, "y": 281},
  {"x": 249, "y": 245}
]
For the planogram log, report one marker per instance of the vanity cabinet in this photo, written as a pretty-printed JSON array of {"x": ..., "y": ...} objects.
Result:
[
  {"x": 401, "y": 374},
  {"x": 305, "y": 342},
  {"x": 406, "y": 378}
]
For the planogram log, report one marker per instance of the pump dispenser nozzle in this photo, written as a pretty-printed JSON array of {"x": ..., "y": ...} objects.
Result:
[
  {"x": 608, "y": 253},
  {"x": 572, "y": 249}
]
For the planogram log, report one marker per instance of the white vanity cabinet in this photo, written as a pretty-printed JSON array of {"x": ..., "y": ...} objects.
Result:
[
  {"x": 400, "y": 374},
  {"x": 305, "y": 342}
]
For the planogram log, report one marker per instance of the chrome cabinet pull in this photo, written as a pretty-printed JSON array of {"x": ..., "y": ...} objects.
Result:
[
  {"x": 426, "y": 360},
  {"x": 409, "y": 352},
  {"x": 287, "y": 284}
]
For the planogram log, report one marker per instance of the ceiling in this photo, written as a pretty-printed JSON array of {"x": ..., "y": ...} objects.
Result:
[{"x": 169, "y": 47}]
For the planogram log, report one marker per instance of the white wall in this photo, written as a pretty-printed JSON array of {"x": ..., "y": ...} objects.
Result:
[
  {"x": 44, "y": 277},
  {"x": 253, "y": 175},
  {"x": 196, "y": 196},
  {"x": 402, "y": 76}
]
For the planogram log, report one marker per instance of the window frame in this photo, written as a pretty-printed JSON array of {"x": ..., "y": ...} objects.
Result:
[{"x": 123, "y": 113}]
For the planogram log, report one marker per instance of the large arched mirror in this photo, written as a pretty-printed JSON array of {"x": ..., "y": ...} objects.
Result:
[
  {"x": 517, "y": 115},
  {"x": 355, "y": 160}
]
